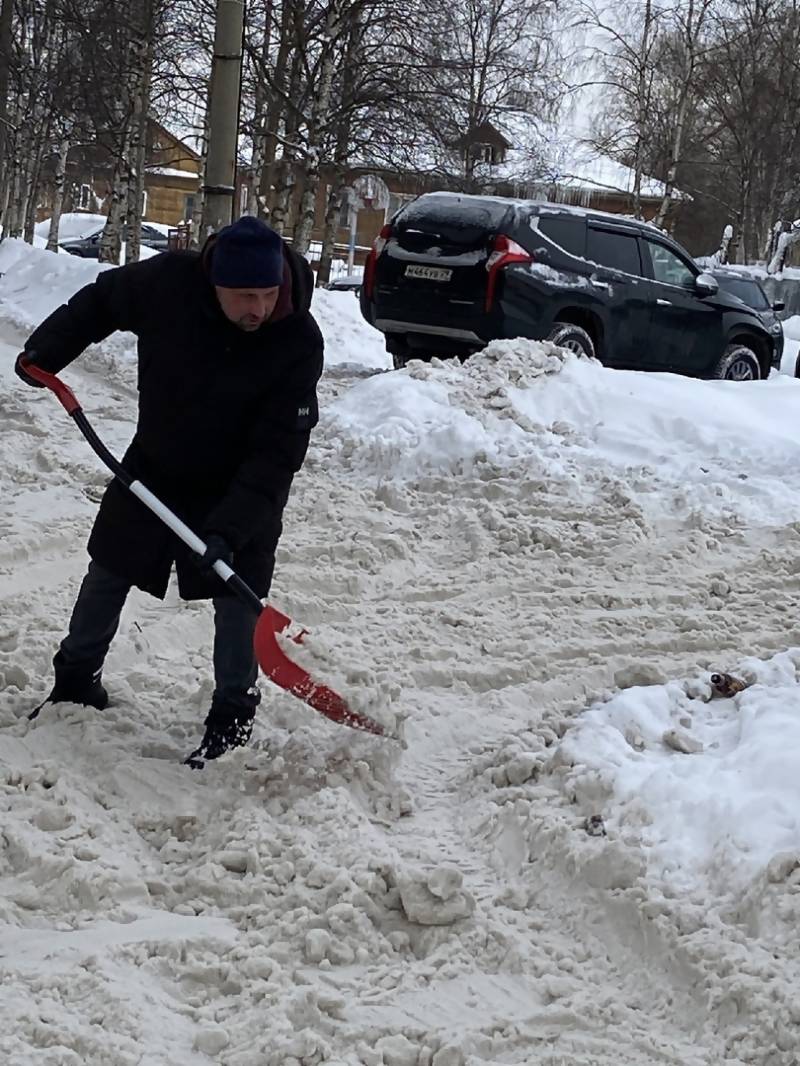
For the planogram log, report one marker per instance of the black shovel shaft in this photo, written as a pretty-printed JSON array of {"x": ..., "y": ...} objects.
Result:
[
  {"x": 68, "y": 400},
  {"x": 113, "y": 464}
]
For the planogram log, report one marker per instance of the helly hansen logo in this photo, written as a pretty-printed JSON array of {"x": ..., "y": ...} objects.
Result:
[{"x": 303, "y": 412}]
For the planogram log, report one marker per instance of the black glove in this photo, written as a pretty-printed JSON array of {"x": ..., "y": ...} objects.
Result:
[
  {"x": 216, "y": 548},
  {"x": 19, "y": 370}
]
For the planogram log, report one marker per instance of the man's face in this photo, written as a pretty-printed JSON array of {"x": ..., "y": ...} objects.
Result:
[{"x": 247, "y": 308}]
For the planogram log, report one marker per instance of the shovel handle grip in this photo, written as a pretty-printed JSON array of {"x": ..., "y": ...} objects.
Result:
[{"x": 64, "y": 394}]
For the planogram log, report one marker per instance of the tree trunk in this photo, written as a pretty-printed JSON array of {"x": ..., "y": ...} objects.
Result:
[
  {"x": 772, "y": 241},
  {"x": 307, "y": 203},
  {"x": 720, "y": 257},
  {"x": 743, "y": 217},
  {"x": 197, "y": 235},
  {"x": 111, "y": 241},
  {"x": 285, "y": 175},
  {"x": 334, "y": 206},
  {"x": 58, "y": 192},
  {"x": 34, "y": 184},
  {"x": 672, "y": 172},
  {"x": 642, "y": 109},
  {"x": 260, "y": 119},
  {"x": 138, "y": 153},
  {"x": 6, "y": 11},
  {"x": 275, "y": 111},
  {"x": 33, "y": 172},
  {"x": 320, "y": 115},
  {"x": 340, "y": 152},
  {"x": 17, "y": 200},
  {"x": 257, "y": 158},
  {"x": 785, "y": 241},
  {"x": 690, "y": 45}
]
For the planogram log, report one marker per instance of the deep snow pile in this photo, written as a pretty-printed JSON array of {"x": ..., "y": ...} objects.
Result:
[
  {"x": 707, "y": 788},
  {"x": 710, "y": 447},
  {"x": 34, "y": 282},
  {"x": 579, "y": 856}
]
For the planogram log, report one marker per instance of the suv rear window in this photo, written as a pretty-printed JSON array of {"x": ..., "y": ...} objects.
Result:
[
  {"x": 455, "y": 220},
  {"x": 568, "y": 232},
  {"x": 617, "y": 251}
]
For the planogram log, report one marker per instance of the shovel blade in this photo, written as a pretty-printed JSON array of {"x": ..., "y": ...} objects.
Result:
[{"x": 288, "y": 675}]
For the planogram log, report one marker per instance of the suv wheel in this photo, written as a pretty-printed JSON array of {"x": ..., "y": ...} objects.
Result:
[
  {"x": 399, "y": 350},
  {"x": 738, "y": 363},
  {"x": 573, "y": 338}
]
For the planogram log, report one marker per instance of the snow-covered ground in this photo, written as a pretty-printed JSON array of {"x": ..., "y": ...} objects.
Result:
[{"x": 582, "y": 856}]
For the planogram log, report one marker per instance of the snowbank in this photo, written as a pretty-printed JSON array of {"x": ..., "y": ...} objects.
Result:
[
  {"x": 348, "y": 338},
  {"x": 34, "y": 282},
  {"x": 726, "y": 447},
  {"x": 707, "y": 788}
]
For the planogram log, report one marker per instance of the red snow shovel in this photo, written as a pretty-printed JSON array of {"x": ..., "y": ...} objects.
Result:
[{"x": 277, "y": 666}]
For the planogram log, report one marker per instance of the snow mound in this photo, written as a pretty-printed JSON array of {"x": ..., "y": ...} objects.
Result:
[
  {"x": 34, "y": 282},
  {"x": 706, "y": 787},
  {"x": 502, "y": 363},
  {"x": 712, "y": 448},
  {"x": 348, "y": 337},
  {"x": 445, "y": 417}
]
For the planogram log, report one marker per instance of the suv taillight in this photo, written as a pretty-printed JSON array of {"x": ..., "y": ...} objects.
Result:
[
  {"x": 504, "y": 252},
  {"x": 369, "y": 267}
]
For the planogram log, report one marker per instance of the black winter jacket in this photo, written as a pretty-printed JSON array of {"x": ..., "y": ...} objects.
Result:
[{"x": 224, "y": 415}]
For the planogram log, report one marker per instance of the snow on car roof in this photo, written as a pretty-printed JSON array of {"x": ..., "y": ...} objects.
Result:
[{"x": 544, "y": 207}]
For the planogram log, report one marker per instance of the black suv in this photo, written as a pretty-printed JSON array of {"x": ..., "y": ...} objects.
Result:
[
  {"x": 750, "y": 291},
  {"x": 452, "y": 272}
]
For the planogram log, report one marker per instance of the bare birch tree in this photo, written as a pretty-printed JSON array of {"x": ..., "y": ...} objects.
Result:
[{"x": 691, "y": 23}]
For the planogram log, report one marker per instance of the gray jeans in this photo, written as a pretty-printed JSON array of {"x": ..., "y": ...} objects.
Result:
[{"x": 95, "y": 620}]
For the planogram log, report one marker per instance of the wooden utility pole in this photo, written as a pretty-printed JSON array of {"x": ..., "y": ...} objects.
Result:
[{"x": 223, "y": 106}]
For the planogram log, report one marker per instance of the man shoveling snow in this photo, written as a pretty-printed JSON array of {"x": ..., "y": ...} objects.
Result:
[{"x": 229, "y": 360}]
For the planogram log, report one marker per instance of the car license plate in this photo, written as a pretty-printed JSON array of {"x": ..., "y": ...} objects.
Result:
[{"x": 428, "y": 273}]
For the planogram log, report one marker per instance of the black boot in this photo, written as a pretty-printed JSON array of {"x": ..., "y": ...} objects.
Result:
[
  {"x": 228, "y": 725},
  {"x": 76, "y": 683}
]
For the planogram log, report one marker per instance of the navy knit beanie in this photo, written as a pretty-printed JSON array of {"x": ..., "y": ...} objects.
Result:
[{"x": 247, "y": 255}]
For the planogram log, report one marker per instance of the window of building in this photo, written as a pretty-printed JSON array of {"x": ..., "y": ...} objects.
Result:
[
  {"x": 484, "y": 153},
  {"x": 188, "y": 207},
  {"x": 398, "y": 200},
  {"x": 85, "y": 198}
]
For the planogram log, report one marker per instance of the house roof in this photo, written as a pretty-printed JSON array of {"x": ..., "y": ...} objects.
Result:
[
  {"x": 570, "y": 163},
  {"x": 539, "y": 165},
  {"x": 181, "y": 142}
]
